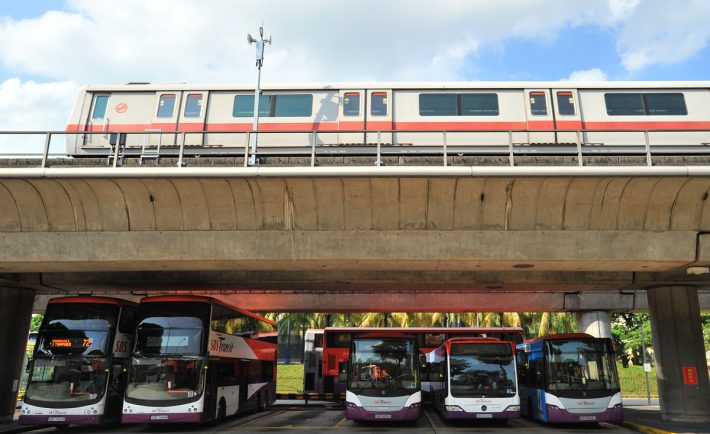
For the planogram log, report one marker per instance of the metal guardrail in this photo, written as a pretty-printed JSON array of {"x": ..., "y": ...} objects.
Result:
[{"x": 116, "y": 147}]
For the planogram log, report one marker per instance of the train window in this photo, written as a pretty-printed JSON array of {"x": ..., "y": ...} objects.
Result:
[
  {"x": 565, "y": 103},
  {"x": 378, "y": 104},
  {"x": 479, "y": 104},
  {"x": 293, "y": 106},
  {"x": 100, "y": 107},
  {"x": 538, "y": 103},
  {"x": 193, "y": 105},
  {"x": 438, "y": 104},
  {"x": 665, "y": 104},
  {"x": 641, "y": 104},
  {"x": 244, "y": 106},
  {"x": 166, "y": 105},
  {"x": 351, "y": 104},
  {"x": 624, "y": 104}
]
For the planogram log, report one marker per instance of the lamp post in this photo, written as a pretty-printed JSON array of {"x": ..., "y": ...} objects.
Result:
[{"x": 257, "y": 92}]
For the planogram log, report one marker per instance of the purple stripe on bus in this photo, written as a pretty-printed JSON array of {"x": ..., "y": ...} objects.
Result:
[
  {"x": 555, "y": 414},
  {"x": 162, "y": 418},
  {"x": 33, "y": 419}
]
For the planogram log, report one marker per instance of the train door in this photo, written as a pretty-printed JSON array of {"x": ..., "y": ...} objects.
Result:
[
  {"x": 192, "y": 117},
  {"x": 351, "y": 117},
  {"x": 378, "y": 118},
  {"x": 539, "y": 116},
  {"x": 165, "y": 118},
  {"x": 568, "y": 119},
  {"x": 98, "y": 120}
]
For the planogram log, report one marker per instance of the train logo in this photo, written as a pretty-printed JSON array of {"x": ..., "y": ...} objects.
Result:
[{"x": 121, "y": 108}]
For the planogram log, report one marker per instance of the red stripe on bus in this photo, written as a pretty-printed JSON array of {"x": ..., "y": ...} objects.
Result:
[
  {"x": 458, "y": 126},
  {"x": 88, "y": 299},
  {"x": 647, "y": 125}
]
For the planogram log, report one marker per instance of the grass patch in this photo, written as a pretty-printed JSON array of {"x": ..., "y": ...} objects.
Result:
[
  {"x": 289, "y": 378},
  {"x": 633, "y": 381}
]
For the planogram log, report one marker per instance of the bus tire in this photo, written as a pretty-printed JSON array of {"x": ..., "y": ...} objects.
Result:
[
  {"x": 221, "y": 411},
  {"x": 263, "y": 401}
]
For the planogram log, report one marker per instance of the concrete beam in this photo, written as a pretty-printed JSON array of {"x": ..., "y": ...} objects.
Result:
[{"x": 347, "y": 250}]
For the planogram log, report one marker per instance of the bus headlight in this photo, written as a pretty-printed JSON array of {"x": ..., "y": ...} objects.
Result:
[
  {"x": 512, "y": 408},
  {"x": 453, "y": 408},
  {"x": 619, "y": 405},
  {"x": 415, "y": 405}
]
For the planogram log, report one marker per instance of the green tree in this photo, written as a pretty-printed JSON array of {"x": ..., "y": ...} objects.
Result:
[{"x": 36, "y": 322}]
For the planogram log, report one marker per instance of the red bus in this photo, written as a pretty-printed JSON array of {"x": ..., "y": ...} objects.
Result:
[
  {"x": 198, "y": 359},
  {"x": 337, "y": 340},
  {"x": 75, "y": 375}
]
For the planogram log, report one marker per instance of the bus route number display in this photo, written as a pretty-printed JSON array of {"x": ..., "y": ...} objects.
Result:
[{"x": 70, "y": 343}]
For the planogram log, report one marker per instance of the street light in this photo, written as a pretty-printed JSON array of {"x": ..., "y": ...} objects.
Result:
[{"x": 257, "y": 92}]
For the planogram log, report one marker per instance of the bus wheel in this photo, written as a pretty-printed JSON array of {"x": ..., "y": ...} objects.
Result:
[
  {"x": 263, "y": 398},
  {"x": 221, "y": 411}
]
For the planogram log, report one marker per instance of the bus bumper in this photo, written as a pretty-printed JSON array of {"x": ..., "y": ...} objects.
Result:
[
  {"x": 481, "y": 416},
  {"x": 162, "y": 418},
  {"x": 34, "y": 419},
  {"x": 560, "y": 415},
  {"x": 405, "y": 414}
]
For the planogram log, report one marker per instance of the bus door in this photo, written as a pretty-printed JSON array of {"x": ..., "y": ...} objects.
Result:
[
  {"x": 539, "y": 116},
  {"x": 246, "y": 367},
  {"x": 211, "y": 377},
  {"x": 568, "y": 119},
  {"x": 378, "y": 117},
  {"x": 98, "y": 120},
  {"x": 165, "y": 118},
  {"x": 351, "y": 117},
  {"x": 192, "y": 118}
]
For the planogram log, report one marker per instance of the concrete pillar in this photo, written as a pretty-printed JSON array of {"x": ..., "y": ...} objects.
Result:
[
  {"x": 681, "y": 369},
  {"x": 596, "y": 322},
  {"x": 15, "y": 314}
]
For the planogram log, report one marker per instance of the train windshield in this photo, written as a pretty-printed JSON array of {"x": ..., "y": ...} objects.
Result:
[
  {"x": 72, "y": 329},
  {"x": 387, "y": 363},
  {"x": 172, "y": 328},
  {"x": 479, "y": 370},
  {"x": 580, "y": 365},
  {"x": 67, "y": 380},
  {"x": 165, "y": 379}
]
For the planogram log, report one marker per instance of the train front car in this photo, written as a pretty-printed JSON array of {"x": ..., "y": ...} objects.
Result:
[
  {"x": 383, "y": 378},
  {"x": 569, "y": 378}
]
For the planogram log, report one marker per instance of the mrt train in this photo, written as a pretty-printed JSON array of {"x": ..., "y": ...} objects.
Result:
[{"x": 399, "y": 117}]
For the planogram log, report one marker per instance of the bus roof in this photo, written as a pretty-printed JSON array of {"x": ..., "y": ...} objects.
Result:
[
  {"x": 561, "y": 336},
  {"x": 91, "y": 299},
  {"x": 204, "y": 299}
]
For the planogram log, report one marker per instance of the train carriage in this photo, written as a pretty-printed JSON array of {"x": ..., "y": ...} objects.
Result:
[{"x": 352, "y": 118}]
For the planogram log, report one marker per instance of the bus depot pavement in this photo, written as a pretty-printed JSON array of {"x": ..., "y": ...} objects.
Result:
[{"x": 293, "y": 416}]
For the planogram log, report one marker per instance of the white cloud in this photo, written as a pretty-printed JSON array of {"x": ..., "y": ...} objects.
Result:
[
  {"x": 594, "y": 74},
  {"x": 31, "y": 106}
]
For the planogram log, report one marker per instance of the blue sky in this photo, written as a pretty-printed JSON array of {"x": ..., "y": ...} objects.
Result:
[{"x": 50, "y": 49}]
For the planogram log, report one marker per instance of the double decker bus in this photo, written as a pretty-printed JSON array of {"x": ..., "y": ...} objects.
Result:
[
  {"x": 75, "y": 374},
  {"x": 337, "y": 340},
  {"x": 569, "y": 378},
  {"x": 383, "y": 378},
  {"x": 198, "y": 359},
  {"x": 474, "y": 378}
]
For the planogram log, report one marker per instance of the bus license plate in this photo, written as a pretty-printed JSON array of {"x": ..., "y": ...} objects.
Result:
[
  {"x": 159, "y": 417},
  {"x": 587, "y": 418},
  {"x": 484, "y": 416},
  {"x": 383, "y": 416},
  {"x": 57, "y": 419}
]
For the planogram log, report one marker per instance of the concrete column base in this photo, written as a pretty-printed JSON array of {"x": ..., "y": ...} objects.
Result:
[
  {"x": 681, "y": 368},
  {"x": 597, "y": 323},
  {"x": 15, "y": 314}
]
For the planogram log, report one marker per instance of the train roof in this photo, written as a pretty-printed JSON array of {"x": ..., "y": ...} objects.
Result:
[{"x": 512, "y": 85}]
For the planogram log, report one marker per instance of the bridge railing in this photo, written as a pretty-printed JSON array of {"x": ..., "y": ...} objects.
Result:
[{"x": 116, "y": 146}]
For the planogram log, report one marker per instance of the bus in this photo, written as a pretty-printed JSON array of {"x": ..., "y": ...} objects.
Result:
[
  {"x": 383, "y": 378},
  {"x": 313, "y": 361},
  {"x": 76, "y": 370},
  {"x": 336, "y": 346},
  {"x": 474, "y": 378},
  {"x": 569, "y": 378},
  {"x": 198, "y": 359}
]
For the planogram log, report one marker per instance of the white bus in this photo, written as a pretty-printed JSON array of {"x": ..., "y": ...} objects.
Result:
[
  {"x": 474, "y": 378},
  {"x": 75, "y": 375},
  {"x": 198, "y": 359}
]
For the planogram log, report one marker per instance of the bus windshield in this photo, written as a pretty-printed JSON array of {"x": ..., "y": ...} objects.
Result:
[
  {"x": 165, "y": 379},
  {"x": 67, "y": 379},
  {"x": 172, "y": 329},
  {"x": 480, "y": 369},
  {"x": 77, "y": 329},
  {"x": 387, "y": 363},
  {"x": 580, "y": 365}
]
